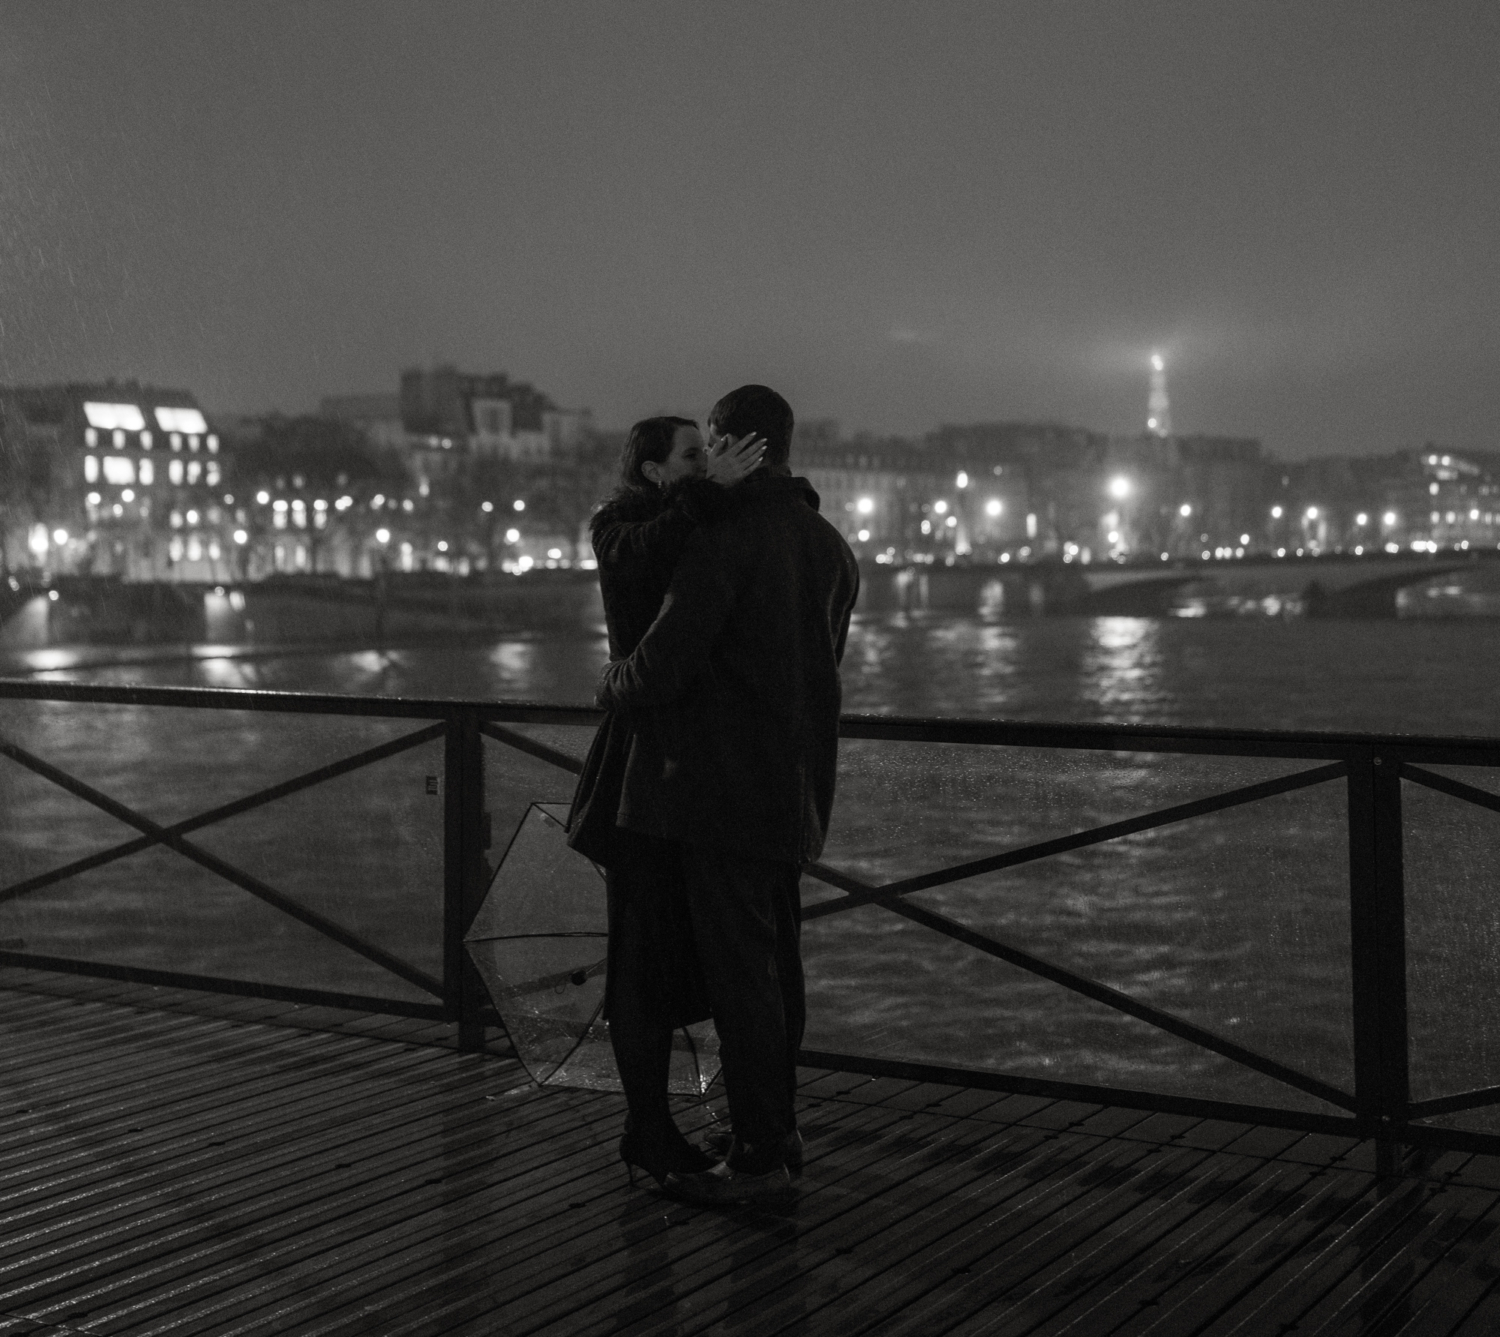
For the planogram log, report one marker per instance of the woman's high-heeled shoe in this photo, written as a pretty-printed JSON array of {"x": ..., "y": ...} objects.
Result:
[{"x": 661, "y": 1157}]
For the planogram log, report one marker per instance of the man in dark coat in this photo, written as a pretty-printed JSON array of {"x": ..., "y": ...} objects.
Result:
[{"x": 734, "y": 699}]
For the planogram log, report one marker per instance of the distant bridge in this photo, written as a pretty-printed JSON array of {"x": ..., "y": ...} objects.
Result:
[{"x": 1328, "y": 585}]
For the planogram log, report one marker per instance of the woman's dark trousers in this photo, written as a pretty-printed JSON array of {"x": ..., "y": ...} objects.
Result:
[{"x": 654, "y": 984}]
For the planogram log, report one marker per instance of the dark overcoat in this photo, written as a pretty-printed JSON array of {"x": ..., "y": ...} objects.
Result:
[
  {"x": 733, "y": 695},
  {"x": 638, "y": 539}
]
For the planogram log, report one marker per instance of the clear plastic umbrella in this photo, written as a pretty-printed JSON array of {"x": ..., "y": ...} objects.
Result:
[{"x": 538, "y": 942}]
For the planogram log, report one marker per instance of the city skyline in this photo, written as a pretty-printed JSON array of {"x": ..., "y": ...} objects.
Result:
[{"x": 901, "y": 217}]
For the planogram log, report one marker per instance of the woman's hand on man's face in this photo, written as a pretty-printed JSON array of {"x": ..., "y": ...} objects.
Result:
[{"x": 732, "y": 460}]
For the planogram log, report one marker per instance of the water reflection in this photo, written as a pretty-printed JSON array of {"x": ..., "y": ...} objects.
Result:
[{"x": 1122, "y": 668}]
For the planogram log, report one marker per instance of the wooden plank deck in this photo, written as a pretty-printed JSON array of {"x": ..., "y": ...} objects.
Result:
[{"x": 193, "y": 1165}]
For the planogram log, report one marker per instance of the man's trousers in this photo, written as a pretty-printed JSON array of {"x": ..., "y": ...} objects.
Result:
[{"x": 746, "y": 917}]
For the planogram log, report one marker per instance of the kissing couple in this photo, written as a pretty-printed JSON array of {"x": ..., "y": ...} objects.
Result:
[{"x": 710, "y": 782}]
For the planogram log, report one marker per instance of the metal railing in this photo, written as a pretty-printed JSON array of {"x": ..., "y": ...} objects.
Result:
[{"x": 1371, "y": 769}]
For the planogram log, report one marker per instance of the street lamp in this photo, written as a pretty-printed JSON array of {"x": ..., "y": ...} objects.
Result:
[
  {"x": 1119, "y": 487},
  {"x": 992, "y": 507}
]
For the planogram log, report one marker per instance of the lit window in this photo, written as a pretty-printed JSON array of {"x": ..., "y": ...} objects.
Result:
[
  {"x": 93, "y": 499},
  {"x": 145, "y": 440},
  {"x": 175, "y": 441},
  {"x": 179, "y": 420},
  {"x": 119, "y": 440},
  {"x": 109, "y": 416},
  {"x": 279, "y": 519},
  {"x": 927, "y": 526},
  {"x": 90, "y": 437},
  {"x": 91, "y": 468},
  {"x": 320, "y": 519},
  {"x": 279, "y": 506},
  {"x": 211, "y": 473},
  {"x": 952, "y": 520},
  {"x": 193, "y": 469},
  {"x": 174, "y": 470},
  {"x": 192, "y": 443},
  {"x": 192, "y": 517},
  {"x": 941, "y": 507},
  {"x": 128, "y": 494},
  {"x": 147, "y": 472},
  {"x": 213, "y": 551},
  {"x": 118, "y": 469},
  {"x": 213, "y": 444},
  {"x": 194, "y": 549},
  {"x": 240, "y": 536}
]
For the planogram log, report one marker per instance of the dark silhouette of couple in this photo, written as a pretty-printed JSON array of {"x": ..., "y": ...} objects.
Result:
[{"x": 710, "y": 782}]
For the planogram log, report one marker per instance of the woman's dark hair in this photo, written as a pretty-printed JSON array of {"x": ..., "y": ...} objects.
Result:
[{"x": 650, "y": 439}]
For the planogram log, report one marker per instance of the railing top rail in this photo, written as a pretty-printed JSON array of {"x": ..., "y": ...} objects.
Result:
[
  {"x": 1102, "y": 736},
  {"x": 303, "y": 703}
]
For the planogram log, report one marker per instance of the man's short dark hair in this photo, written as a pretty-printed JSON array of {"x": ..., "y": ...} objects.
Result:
[{"x": 758, "y": 409}]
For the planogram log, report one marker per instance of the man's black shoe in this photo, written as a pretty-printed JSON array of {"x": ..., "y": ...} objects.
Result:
[{"x": 719, "y": 1144}]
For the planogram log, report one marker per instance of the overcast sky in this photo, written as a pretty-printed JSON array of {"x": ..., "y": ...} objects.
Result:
[{"x": 899, "y": 214}]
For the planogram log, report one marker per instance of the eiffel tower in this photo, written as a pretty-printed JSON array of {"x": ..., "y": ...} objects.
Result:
[{"x": 1159, "y": 407}]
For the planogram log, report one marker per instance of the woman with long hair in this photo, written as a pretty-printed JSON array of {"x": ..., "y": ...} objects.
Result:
[{"x": 670, "y": 483}]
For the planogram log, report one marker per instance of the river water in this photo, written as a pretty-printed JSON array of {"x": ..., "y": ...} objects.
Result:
[{"x": 1238, "y": 921}]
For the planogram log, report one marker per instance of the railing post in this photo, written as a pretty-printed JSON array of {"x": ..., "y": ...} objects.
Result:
[
  {"x": 463, "y": 872},
  {"x": 1377, "y": 921}
]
